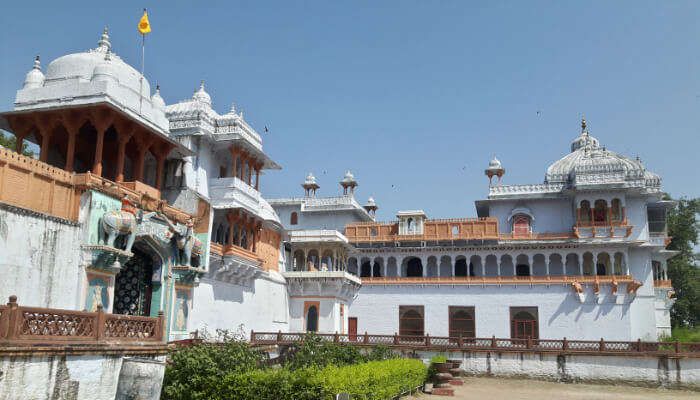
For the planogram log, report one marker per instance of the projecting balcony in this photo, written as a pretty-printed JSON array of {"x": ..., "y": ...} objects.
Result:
[
  {"x": 233, "y": 193},
  {"x": 234, "y": 264},
  {"x": 322, "y": 283}
]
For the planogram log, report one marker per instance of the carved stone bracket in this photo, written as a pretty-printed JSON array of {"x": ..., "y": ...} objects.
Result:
[
  {"x": 105, "y": 257},
  {"x": 323, "y": 283},
  {"x": 235, "y": 270}
]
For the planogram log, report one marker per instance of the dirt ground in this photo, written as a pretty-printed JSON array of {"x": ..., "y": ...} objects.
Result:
[{"x": 518, "y": 389}]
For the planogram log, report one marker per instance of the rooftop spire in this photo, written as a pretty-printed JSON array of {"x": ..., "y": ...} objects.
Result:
[
  {"x": 583, "y": 125},
  {"x": 104, "y": 42},
  {"x": 37, "y": 64}
]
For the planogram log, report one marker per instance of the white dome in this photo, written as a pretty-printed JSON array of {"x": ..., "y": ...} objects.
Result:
[
  {"x": 370, "y": 202},
  {"x": 589, "y": 164},
  {"x": 494, "y": 164},
  {"x": 202, "y": 95},
  {"x": 82, "y": 65},
  {"x": 157, "y": 100},
  {"x": 34, "y": 78},
  {"x": 349, "y": 178},
  {"x": 106, "y": 70},
  {"x": 310, "y": 179}
]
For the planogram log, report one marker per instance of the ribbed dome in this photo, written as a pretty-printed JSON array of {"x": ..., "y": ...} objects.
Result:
[
  {"x": 83, "y": 65},
  {"x": 202, "y": 95},
  {"x": 589, "y": 164},
  {"x": 34, "y": 78}
]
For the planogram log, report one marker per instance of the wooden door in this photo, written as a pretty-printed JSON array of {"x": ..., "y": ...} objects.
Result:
[{"x": 352, "y": 328}]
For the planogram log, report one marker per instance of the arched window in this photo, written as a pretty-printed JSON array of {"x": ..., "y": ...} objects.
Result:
[
  {"x": 294, "y": 219},
  {"x": 522, "y": 270},
  {"x": 521, "y": 224},
  {"x": 414, "y": 268},
  {"x": 411, "y": 319},
  {"x": 312, "y": 318},
  {"x": 658, "y": 271},
  {"x": 377, "y": 269},
  {"x": 600, "y": 212},
  {"x": 585, "y": 212},
  {"x": 523, "y": 323},
  {"x": 616, "y": 214},
  {"x": 461, "y": 321},
  {"x": 366, "y": 269},
  {"x": 410, "y": 224},
  {"x": 461, "y": 267}
]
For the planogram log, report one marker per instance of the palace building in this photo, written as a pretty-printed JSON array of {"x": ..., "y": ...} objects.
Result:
[{"x": 137, "y": 207}]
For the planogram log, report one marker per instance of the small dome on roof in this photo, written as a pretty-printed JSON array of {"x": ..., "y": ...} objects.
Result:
[
  {"x": 202, "y": 95},
  {"x": 34, "y": 78},
  {"x": 371, "y": 202},
  {"x": 157, "y": 100},
  {"x": 494, "y": 164},
  {"x": 349, "y": 177},
  {"x": 310, "y": 179}
]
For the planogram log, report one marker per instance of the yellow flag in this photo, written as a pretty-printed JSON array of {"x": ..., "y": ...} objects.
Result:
[{"x": 144, "y": 25}]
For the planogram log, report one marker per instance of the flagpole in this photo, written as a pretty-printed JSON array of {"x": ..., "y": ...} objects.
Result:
[{"x": 143, "y": 63}]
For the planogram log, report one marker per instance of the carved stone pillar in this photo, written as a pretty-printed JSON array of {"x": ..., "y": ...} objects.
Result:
[
  {"x": 72, "y": 128},
  {"x": 125, "y": 131}
]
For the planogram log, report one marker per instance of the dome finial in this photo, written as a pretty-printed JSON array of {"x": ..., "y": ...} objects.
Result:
[
  {"x": 583, "y": 124},
  {"x": 34, "y": 78},
  {"x": 104, "y": 42},
  {"x": 37, "y": 64}
]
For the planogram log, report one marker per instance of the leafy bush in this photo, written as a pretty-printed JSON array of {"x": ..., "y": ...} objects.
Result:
[
  {"x": 438, "y": 358},
  {"x": 193, "y": 371},
  {"x": 316, "y": 352},
  {"x": 371, "y": 380},
  {"x": 683, "y": 334}
]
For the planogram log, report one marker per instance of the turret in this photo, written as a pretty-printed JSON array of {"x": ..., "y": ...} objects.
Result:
[
  {"x": 371, "y": 207},
  {"x": 496, "y": 169},
  {"x": 349, "y": 182},
  {"x": 310, "y": 186}
]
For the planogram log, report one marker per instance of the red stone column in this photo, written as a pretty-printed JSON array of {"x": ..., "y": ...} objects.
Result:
[
  {"x": 70, "y": 154},
  {"x": 124, "y": 134},
  {"x": 97, "y": 165},
  {"x": 159, "y": 172},
  {"x": 257, "y": 176}
]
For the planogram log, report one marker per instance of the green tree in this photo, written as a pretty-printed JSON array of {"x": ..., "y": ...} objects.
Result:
[
  {"x": 9, "y": 141},
  {"x": 683, "y": 268}
]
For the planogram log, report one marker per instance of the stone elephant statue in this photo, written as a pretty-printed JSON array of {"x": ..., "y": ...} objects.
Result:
[
  {"x": 122, "y": 222},
  {"x": 187, "y": 243},
  {"x": 118, "y": 223}
]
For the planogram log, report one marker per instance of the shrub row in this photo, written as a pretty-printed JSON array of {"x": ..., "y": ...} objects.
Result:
[{"x": 371, "y": 380}]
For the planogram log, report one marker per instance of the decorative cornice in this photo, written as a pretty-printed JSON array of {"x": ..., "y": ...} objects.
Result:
[{"x": 37, "y": 214}]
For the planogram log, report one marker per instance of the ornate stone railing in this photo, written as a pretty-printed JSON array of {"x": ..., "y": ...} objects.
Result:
[
  {"x": 662, "y": 284},
  {"x": 224, "y": 250},
  {"x": 34, "y": 325},
  {"x": 433, "y": 230},
  {"x": 496, "y": 280},
  {"x": 444, "y": 343},
  {"x": 537, "y": 236},
  {"x": 526, "y": 189},
  {"x": 37, "y": 186}
]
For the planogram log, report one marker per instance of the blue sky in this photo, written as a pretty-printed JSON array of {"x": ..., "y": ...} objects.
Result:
[{"x": 414, "y": 97}]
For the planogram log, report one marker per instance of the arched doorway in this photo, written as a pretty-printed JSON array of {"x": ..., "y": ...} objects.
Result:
[
  {"x": 414, "y": 267},
  {"x": 312, "y": 319},
  {"x": 366, "y": 270},
  {"x": 133, "y": 286}
]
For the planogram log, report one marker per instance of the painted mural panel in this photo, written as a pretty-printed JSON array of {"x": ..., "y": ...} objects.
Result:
[
  {"x": 181, "y": 309},
  {"x": 98, "y": 292}
]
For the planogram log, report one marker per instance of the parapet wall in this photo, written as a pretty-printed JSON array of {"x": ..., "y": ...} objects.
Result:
[{"x": 650, "y": 371}]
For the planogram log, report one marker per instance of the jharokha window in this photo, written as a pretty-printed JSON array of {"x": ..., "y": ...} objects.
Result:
[
  {"x": 521, "y": 224},
  {"x": 294, "y": 219},
  {"x": 411, "y": 320},
  {"x": 462, "y": 321},
  {"x": 524, "y": 323},
  {"x": 600, "y": 211}
]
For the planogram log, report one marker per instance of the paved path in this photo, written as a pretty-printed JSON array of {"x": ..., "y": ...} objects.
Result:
[{"x": 517, "y": 389}]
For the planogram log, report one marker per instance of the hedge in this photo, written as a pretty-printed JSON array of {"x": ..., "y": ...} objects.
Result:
[{"x": 373, "y": 380}]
